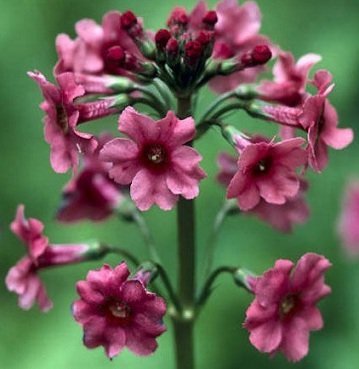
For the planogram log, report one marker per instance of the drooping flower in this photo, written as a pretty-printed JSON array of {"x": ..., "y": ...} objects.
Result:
[
  {"x": 90, "y": 194},
  {"x": 23, "y": 278},
  {"x": 61, "y": 119},
  {"x": 267, "y": 170},
  {"x": 290, "y": 79},
  {"x": 282, "y": 217},
  {"x": 236, "y": 34},
  {"x": 348, "y": 226},
  {"x": 154, "y": 159},
  {"x": 320, "y": 119},
  {"x": 117, "y": 312},
  {"x": 284, "y": 309}
]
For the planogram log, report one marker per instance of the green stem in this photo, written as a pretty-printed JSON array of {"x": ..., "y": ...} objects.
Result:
[
  {"x": 183, "y": 324},
  {"x": 124, "y": 253},
  {"x": 211, "y": 245},
  {"x": 207, "y": 287},
  {"x": 146, "y": 234}
]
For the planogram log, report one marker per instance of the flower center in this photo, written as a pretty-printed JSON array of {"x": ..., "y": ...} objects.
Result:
[
  {"x": 120, "y": 310},
  {"x": 156, "y": 154},
  {"x": 287, "y": 305},
  {"x": 61, "y": 118},
  {"x": 262, "y": 166}
]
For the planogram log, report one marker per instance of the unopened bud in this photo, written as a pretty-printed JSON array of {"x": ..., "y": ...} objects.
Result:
[
  {"x": 128, "y": 20},
  {"x": 178, "y": 17},
  {"x": 259, "y": 55},
  {"x": 193, "y": 52},
  {"x": 210, "y": 19},
  {"x": 161, "y": 39}
]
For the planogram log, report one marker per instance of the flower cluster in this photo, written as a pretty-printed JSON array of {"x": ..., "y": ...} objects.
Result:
[{"x": 106, "y": 71}]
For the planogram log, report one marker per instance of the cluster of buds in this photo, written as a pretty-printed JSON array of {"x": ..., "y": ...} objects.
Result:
[{"x": 113, "y": 66}]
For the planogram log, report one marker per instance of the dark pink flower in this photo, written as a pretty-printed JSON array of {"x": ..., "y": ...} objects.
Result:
[
  {"x": 61, "y": 119},
  {"x": 283, "y": 311},
  {"x": 320, "y": 119},
  {"x": 23, "y": 278},
  {"x": 154, "y": 159},
  {"x": 267, "y": 170},
  {"x": 348, "y": 226},
  {"x": 236, "y": 33},
  {"x": 282, "y": 217},
  {"x": 118, "y": 312},
  {"x": 90, "y": 194},
  {"x": 98, "y": 49},
  {"x": 290, "y": 79}
]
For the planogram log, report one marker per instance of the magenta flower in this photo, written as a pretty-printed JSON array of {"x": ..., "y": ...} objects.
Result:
[
  {"x": 60, "y": 122},
  {"x": 348, "y": 226},
  {"x": 267, "y": 170},
  {"x": 283, "y": 311},
  {"x": 290, "y": 79},
  {"x": 320, "y": 119},
  {"x": 90, "y": 194},
  {"x": 236, "y": 33},
  {"x": 98, "y": 49},
  {"x": 154, "y": 159},
  {"x": 282, "y": 217},
  {"x": 117, "y": 312},
  {"x": 23, "y": 278}
]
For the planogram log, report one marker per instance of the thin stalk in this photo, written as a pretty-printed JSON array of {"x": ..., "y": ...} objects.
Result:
[
  {"x": 146, "y": 235},
  {"x": 183, "y": 324},
  {"x": 215, "y": 104},
  {"x": 126, "y": 254},
  {"x": 207, "y": 287},
  {"x": 212, "y": 242}
]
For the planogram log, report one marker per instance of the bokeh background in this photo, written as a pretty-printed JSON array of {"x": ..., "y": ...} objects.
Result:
[{"x": 30, "y": 340}]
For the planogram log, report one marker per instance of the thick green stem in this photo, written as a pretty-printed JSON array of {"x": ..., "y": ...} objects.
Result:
[{"x": 183, "y": 322}]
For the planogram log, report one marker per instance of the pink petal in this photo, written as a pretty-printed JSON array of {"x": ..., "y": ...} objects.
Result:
[
  {"x": 139, "y": 343},
  {"x": 295, "y": 342},
  {"x": 266, "y": 337},
  {"x": 133, "y": 292},
  {"x": 139, "y": 127}
]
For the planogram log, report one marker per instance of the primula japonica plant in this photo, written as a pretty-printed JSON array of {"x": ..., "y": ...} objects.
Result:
[{"x": 112, "y": 69}]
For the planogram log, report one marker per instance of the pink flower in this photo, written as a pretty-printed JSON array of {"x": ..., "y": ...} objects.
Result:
[
  {"x": 290, "y": 79},
  {"x": 98, "y": 49},
  {"x": 154, "y": 160},
  {"x": 266, "y": 170},
  {"x": 282, "y": 217},
  {"x": 319, "y": 118},
  {"x": 348, "y": 226},
  {"x": 23, "y": 278},
  {"x": 60, "y": 122},
  {"x": 117, "y": 312},
  {"x": 91, "y": 194},
  {"x": 236, "y": 33},
  {"x": 283, "y": 311}
]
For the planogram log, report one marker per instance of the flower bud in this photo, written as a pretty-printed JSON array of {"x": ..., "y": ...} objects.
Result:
[{"x": 161, "y": 39}]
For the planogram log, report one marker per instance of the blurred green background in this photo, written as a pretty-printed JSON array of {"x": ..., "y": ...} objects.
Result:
[{"x": 30, "y": 340}]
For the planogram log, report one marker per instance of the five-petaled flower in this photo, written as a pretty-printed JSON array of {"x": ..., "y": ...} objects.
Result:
[
  {"x": 284, "y": 309},
  {"x": 154, "y": 160},
  {"x": 117, "y": 311},
  {"x": 282, "y": 217},
  {"x": 266, "y": 170}
]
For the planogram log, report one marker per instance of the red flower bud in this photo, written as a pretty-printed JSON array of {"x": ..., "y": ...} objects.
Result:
[
  {"x": 115, "y": 53},
  {"x": 128, "y": 20},
  {"x": 261, "y": 54},
  {"x": 161, "y": 38},
  {"x": 210, "y": 19},
  {"x": 172, "y": 46},
  {"x": 193, "y": 49}
]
